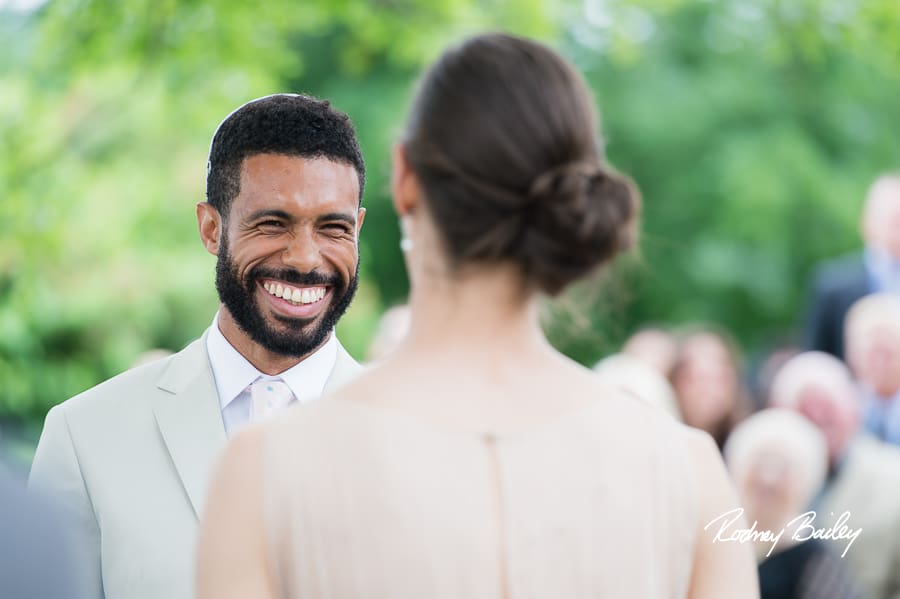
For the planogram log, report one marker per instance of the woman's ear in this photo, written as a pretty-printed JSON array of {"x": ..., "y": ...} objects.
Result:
[
  {"x": 405, "y": 187},
  {"x": 209, "y": 222}
]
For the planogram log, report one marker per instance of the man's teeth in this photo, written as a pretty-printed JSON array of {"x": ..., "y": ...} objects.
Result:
[{"x": 295, "y": 295}]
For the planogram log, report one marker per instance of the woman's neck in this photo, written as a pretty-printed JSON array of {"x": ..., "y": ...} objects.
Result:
[{"x": 475, "y": 311}]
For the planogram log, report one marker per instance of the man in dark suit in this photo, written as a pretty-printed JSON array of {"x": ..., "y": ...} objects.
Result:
[{"x": 837, "y": 284}]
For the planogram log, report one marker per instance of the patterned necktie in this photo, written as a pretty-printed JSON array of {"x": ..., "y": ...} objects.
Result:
[{"x": 268, "y": 397}]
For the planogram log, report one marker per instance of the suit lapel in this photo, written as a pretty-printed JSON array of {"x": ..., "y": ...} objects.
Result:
[
  {"x": 190, "y": 420},
  {"x": 345, "y": 369}
]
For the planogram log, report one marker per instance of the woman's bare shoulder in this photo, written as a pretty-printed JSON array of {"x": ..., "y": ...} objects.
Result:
[
  {"x": 232, "y": 554},
  {"x": 720, "y": 569}
]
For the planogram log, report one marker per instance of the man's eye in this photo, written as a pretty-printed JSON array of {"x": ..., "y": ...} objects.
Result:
[
  {"x": 337, "y": 228},
  {"x": 270, "y": 224}
]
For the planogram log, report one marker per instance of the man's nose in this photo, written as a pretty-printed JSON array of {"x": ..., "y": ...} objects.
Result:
[{"x": 302, "y": 252}]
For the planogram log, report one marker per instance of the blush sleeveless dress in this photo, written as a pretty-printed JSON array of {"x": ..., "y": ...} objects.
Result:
[{"x": 363, "y": 501}]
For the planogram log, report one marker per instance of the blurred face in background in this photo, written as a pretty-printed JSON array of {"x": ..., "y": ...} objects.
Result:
[
  {"x": 705, "y": 380},
  {"x": 778, "y": 463},
  {"x": 654, "y": 347},
  {"x": 873, "y": 352},
  {"x": 881, "y": 221},
  {"x": 768, "y": 489},
  {"x": 392, "y": 330},
  {"x": 832, "y": 415},
  {"x": 819, "y": 387}
]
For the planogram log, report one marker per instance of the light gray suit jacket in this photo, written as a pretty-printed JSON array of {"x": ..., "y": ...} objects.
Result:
[{"x": 130, "y": 461}]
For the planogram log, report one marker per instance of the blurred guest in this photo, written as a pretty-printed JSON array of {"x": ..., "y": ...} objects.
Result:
[
  {"x": 706, "y": 377},
  {"x": 640, "y": 379},
  {"x": 873, "y": 353},
  {"x": 476, "y": 461},
  {"x": 654, "y": 346},
  {"x": 36, "y": 561},
  {"x": 864, "y": 474},
  {"x": 840, "y": 282},
  {"x": 390, "y": 332},
  {"x": 778, "y": 460}
]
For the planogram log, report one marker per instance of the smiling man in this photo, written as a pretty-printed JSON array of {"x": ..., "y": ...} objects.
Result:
[{"x": 129, "y": 460}]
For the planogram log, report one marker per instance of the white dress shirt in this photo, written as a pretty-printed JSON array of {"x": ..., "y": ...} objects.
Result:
[
  {"x": 234, "y": 375},
  {"x": 881, "y": 415}
]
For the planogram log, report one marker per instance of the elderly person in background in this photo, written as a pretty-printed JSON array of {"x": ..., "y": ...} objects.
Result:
[
  {"x": 840, "y": 282},
  {"x": 873, "y": 353},
  {"x": 863, "y": 474},
  {"x": 390, "y": 332},
  {"x": 639, "y": 379},
  {"x": 654, "y": 346},
  {"x": 706, "y": 377},
  {"x": 778, "y": 461}
]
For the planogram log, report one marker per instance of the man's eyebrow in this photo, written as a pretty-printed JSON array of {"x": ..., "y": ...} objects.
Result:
[
  {"x": 269, "y": 213},
  {"x": 347, "y": 218}
]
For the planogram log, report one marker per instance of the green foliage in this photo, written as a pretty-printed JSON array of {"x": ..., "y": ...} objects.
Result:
[{"x": 752, "y": 126}]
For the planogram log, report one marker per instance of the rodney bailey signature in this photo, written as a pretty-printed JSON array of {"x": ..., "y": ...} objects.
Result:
[{"x": 803, "y": 532}]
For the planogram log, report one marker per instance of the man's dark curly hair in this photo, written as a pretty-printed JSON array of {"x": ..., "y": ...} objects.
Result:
[{"x": 288, "y": 124}]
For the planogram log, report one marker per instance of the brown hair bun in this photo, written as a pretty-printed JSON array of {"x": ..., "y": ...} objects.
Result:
[{"x": 502, "y": 136}]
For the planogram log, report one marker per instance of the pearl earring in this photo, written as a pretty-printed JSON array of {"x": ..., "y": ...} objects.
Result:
[{"x": 406, "y": 243}]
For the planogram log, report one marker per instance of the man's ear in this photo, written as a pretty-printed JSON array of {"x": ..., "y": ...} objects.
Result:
[
  {"x": 209, "y": 222},
  {"x": 360, "y": 217},
  {"x": 405, "y": 187}
]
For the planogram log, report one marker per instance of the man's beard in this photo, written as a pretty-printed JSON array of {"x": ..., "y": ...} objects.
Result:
[{"x": 240, "y": 299}]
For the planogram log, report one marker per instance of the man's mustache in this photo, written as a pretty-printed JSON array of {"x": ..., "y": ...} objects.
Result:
[{"x": 289, "y": 275}]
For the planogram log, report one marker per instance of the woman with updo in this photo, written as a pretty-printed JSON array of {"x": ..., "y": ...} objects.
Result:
[{"x": 476, "y": 461}]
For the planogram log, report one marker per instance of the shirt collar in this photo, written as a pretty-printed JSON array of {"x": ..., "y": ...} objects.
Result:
[
  {"x": 883, "y": 269},
  {"x": 233, "y": 373},
  {"x": 868, "y": 394}
]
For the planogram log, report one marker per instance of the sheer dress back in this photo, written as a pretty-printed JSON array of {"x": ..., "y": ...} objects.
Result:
[{"x": 363, "y": 501}]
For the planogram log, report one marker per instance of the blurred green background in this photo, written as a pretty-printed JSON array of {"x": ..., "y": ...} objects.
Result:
[{"x": 753, "y": 128}]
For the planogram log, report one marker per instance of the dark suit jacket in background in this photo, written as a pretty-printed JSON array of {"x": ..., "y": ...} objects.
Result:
[
  {"x": 805, "y": 571},
  {"x": 837, "y": 284},
  {"x": 35, "y": 558}
]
